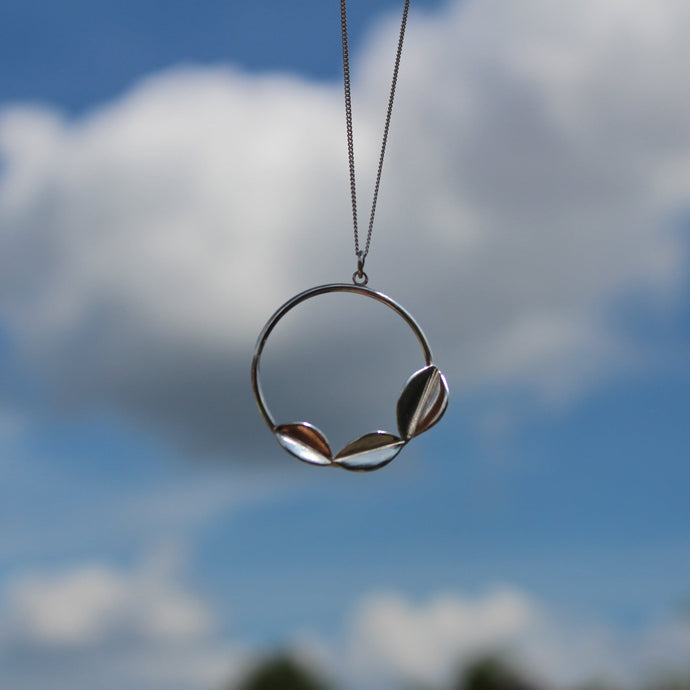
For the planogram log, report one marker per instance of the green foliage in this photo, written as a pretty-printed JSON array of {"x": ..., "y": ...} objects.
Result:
[
  {"x": 489, "y": 673},
  {"x": 282, "y": 673}
]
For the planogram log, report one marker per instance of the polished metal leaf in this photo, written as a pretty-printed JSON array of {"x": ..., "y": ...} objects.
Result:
[
  {"x": 423, "y": 401},
  {"x": 370, "y": 452},
  {"x": 305, "y": 442}
]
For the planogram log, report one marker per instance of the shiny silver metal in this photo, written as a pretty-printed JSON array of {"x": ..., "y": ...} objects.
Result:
[
  {"x": 362, "y": 254},
  {"x": 421, "y": 404},
  {"x": 359, "y": 277}
]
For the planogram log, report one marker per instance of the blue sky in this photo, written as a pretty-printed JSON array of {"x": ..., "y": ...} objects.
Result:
[
  {"x": 125, "y": 41},
  {"x": 170, "y": 173}
]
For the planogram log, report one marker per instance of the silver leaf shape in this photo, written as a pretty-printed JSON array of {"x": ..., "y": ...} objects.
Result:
[
  {"x": 423, "y": 401},
  {"x": 370, "y": 452},
  {"x": 305, "y": 442}
]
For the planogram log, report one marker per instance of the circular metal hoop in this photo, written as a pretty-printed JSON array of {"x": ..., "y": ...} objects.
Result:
[{"x": 422, "y": 402}]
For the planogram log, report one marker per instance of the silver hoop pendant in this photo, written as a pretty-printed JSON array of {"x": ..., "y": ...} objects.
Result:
[{"x": 421, "y": 404}]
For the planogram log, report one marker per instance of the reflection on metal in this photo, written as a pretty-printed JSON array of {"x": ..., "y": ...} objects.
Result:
[
  {"x": 421, "y": 404},
  {"x": 370, "y": 452},
  {"x": 423, "y": 401},
  {"x": 305, "y": 442}
]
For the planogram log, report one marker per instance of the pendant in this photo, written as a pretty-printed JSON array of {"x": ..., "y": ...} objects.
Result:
[{"x": 421, "y": 404}]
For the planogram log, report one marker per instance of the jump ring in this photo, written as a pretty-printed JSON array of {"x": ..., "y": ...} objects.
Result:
[{"x": 360, "y": 278}]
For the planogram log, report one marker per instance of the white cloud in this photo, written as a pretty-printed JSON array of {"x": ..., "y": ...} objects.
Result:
[
  {"x": 98, "y": 626},
  {"x": 392, "y": 638},
  {"x": 424, "y": 642},
  {"x": 537, "y": 163},
  {"x": 93, "y": 603},
  {"x": 75, "y": 609},
  {"x": 95, "y": 625}
]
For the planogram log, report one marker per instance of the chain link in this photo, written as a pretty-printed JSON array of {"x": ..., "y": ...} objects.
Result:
[{"x": 362, "y": 253}]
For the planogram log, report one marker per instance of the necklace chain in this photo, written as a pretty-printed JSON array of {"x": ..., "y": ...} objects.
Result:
[{"x": 360, "y": 276}]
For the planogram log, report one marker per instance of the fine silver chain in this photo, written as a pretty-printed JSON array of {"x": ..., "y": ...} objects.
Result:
[{"x": 360, "y": 277}]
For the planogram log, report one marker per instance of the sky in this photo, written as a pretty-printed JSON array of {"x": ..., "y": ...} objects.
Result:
[{"x": 170, "y": 173}]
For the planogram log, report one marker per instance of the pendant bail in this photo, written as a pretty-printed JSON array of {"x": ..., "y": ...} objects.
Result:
[{"x": 359, "y": 277}]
